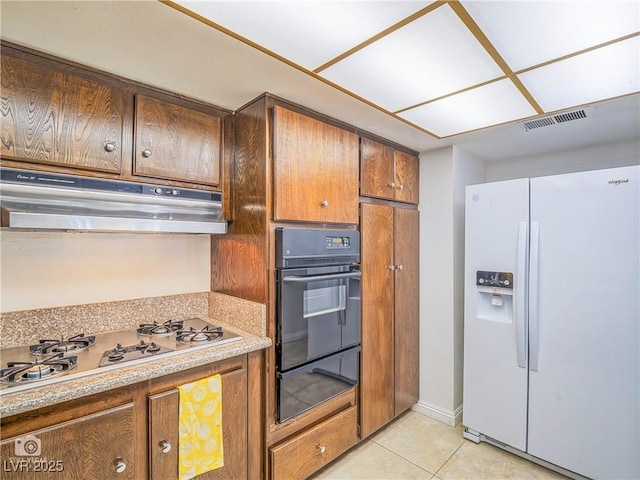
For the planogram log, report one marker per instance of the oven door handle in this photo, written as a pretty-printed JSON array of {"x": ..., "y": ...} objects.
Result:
[{"x": 316, "y": 278}]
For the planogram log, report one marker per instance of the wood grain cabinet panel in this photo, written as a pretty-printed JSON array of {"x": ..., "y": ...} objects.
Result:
[
  {"x": 406, "y": 340},
  {"x": 163, "y": 431},
  {"x": 390, "y": 339},
  {"x": 176, "y": 142},
  {"x": 377, "y": 366},
  {"x": 316, "y": 170},
  {"x": 387, "y": 173},
  {"x": 53, "y": 117},
  {"x": 304, "y": 454},
  {"x": 101, "y": 445}
]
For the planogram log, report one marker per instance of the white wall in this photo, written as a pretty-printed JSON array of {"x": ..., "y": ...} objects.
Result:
[
  {"x": 52, "y": 269},
  {"x": 620, "y": 154},
  {"x": 443, "y": 174}
]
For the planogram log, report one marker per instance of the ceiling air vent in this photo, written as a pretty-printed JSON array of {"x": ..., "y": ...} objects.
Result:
[{"x": 555, "y": 119}]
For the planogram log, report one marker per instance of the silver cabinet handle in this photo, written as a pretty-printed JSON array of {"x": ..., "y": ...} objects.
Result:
[
  {"x": 391, "y": 267},
  {"x": 392, "y": 185},
  {"x": 401, "y": 186},
  {"x": 321, "y": 448},
  {"x": 146, "y": 153},
  {"x": 110, "y": 147},
  {"x": 120, "y": 465},
  {"x": 165, "y": 446},
  {"x": 399, "y": 267},
  {"x": 324, "y": 203}
]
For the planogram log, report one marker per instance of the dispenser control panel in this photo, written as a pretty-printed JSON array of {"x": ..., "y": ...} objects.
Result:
[{"x": 494, "y": 279}]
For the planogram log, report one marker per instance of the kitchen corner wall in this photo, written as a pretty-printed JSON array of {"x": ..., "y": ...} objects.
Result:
[
  {"x": 53, "y": 269},
  {"x": 443, "y": 176}
]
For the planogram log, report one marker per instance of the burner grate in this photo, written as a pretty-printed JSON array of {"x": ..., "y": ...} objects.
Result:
[
  {"x": 196, "y": 336},
  {"x": 22, "y": 372},
  {"x": 156, "y": 329},
  {"x": 70, "y": 345}
]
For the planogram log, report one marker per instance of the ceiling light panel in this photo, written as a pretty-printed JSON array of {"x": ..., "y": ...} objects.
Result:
[
  {"x": 528, "y": 33},
  {"x": 430, "y": 57},
  {"x": 308, "y": 33},
  {"x": 600, "y": 74},
  {"x": 492, "y": 104}
]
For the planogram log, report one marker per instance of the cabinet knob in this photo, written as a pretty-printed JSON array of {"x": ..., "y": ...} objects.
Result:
[
  {"x": 110, "y": 147},
  {"x": 401, "y": 186},
  {"x": 324, "y": 203},
  {"x": 120, "y": 465},
  {"x": 165, "y": 446},
  {"x": 392, "y": 185},
  {"x": 399, "y": 267},
  {"x": 321, "y": 448},
  {"x": 146, "y": 153},
  {"x": 391, "y": 267}
]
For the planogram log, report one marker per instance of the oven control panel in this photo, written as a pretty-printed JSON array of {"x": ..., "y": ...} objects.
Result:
[{"x": 337, "y": 242}]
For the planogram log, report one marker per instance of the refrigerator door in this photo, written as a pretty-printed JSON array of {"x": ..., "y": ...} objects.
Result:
[
  {"x": 495, "y": 375},
  {"x": 584, "y": 340}
]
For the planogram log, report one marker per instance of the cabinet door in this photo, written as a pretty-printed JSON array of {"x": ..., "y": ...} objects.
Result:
[
  {"x": 163, "y": 431},
  {"x": 56, "y": 118},
  {"x": 101, "y": 445},
  {"x": 177, "y": 143},
  {"x": 406, "y": 179},
  {"x": 376, "y": 169},
  {"x": 316, "y": 170},
  {"x": 406, "y": 318},
  {"x": 377, "y": 370}
]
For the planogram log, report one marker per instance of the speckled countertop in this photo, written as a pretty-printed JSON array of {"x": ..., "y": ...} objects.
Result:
[
  {"x": 243, "y": 317},
  {"x": 42, "y": 396}
]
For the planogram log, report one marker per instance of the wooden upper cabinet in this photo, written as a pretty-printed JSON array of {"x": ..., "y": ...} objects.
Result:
[
  {"x": 387, "y": 173},
  {"x": 54, "y": 117},
  {"x": 377, "y": 178},
  {"x": 176, "y": 143},
  {"x": 316, "y": 170}
]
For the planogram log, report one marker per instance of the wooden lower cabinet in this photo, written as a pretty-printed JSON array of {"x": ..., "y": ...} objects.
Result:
[
  {"x": 163, "y": 431},
  {"x": 307, "y": 452},
  {"x": 132, "y": 432},
  {"x": 390, "y": 333},
  {"x": 101, "y": 445}
]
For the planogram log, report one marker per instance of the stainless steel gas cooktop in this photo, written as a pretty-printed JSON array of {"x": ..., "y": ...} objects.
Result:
[{"x": 55, "y": 360}]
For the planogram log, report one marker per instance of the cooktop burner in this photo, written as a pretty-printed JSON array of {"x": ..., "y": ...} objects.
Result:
[
  {"x": 73, "y": 344},
  {"x": 54, "y": 365},
  {"x": 156, "y": 329},
  {"x": 195, "y": 336},
  {"x": 131, "y": 352},
  {"x": 51, "y": 361}
]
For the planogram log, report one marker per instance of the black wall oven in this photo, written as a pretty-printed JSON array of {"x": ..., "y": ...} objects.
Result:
[{"x": 318, "y": 317}]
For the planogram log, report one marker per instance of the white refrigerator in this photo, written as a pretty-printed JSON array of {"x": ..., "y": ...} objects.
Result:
[{"x": 551, "y": 323}]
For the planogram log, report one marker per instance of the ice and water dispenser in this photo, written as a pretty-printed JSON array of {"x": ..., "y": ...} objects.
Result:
[{"x": 495, "y": 296}]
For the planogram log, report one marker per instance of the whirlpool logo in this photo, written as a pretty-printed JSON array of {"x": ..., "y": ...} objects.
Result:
[{"x": 618, "y": 182}]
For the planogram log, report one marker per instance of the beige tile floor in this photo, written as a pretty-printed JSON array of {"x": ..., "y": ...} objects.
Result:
[{"x": 418, "y": 447}]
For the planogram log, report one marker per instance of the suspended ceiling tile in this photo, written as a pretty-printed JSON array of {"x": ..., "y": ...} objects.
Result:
[
  {"x": 528, "y": 33},
  {"x": 308, "y": 33},
  {"x": 492, "y": 104},
  {"x": 597, "y": 75},
  {"x": 430, "y": 57}
]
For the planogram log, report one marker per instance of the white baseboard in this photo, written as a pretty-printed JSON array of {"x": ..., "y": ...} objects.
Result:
[{"x": 449, "y": 417}]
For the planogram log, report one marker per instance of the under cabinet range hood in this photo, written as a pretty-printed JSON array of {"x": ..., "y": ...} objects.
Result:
[{"x": 31, "y": 200}]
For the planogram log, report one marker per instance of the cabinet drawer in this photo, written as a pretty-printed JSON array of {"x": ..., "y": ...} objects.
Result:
[{"x": 306, "y": 453}]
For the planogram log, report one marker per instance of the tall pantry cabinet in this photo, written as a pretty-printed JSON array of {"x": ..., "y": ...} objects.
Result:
[{"x": 389, "y": 258}]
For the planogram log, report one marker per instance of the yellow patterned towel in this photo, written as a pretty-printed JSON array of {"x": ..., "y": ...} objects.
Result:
[{"x": 200, "y": 429}]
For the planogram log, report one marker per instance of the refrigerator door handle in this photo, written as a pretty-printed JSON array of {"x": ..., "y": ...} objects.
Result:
[
  {"x": 534, "y": 337},
  {"x": 520, "y": 304}
]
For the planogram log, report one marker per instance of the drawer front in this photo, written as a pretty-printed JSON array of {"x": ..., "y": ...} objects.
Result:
[{"x": 306, "y": 453}]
